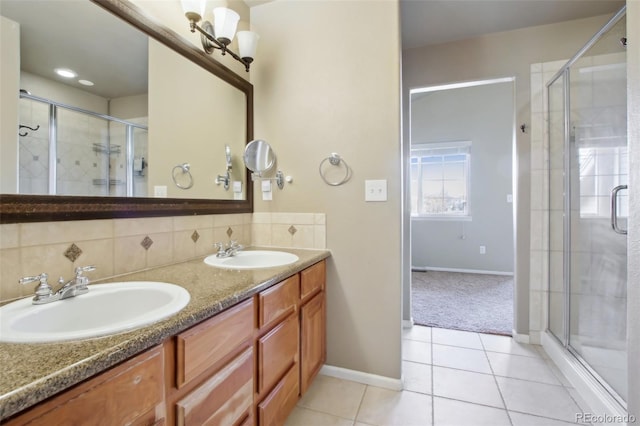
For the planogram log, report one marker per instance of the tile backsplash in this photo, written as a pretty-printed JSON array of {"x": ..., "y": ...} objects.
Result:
[{"x": 120, "y": 246}]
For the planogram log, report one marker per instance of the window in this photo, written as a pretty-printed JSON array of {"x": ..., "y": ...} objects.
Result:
[{"x": 440, "y": 179}]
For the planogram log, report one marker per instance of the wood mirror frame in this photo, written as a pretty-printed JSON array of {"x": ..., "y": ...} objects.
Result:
[{"x": 15, "y": 208}]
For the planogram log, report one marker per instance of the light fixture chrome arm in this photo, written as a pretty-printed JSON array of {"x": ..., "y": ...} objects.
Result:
[{"x": 210, "y": 43}]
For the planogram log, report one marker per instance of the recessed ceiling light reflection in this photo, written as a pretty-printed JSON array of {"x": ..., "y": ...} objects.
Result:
[
  {"x": 86, "y": 82},
  {"x": 66, "y": 73}
]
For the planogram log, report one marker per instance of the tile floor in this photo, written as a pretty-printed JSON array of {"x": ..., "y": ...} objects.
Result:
[{"x": 453, "y": 378}]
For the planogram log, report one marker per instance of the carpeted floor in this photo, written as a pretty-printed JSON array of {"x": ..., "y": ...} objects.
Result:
[{"x": 461, "y": 301}]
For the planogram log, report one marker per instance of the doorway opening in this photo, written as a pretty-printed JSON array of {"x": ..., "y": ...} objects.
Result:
[{"x": 461, "y": 184}]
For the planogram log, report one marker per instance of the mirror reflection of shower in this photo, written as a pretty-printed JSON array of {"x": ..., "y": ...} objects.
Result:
[{"x": 66, "y": 150}]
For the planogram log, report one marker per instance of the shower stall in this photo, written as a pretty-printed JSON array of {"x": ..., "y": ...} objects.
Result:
[
  {"x": 588, "y": 210},
  {"x": 66, "y": 150}
]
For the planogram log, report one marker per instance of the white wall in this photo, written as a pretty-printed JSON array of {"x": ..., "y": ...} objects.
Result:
[
  {"x": 482, "y": 115},
  {"x": 325, "y": 81},
  {"x": 9, "y": 87}
]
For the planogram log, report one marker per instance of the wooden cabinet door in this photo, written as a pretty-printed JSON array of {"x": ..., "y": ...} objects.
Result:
[
  {"x": 276, "y": 407},
  {"x": 127, "y": 394},
  {"x": 277, "y": 352},
  {"x": 225, "y": 399},
  {"x": 312, "y": 340}
]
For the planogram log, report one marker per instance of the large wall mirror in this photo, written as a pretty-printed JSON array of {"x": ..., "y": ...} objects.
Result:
[{"x": 145, "y": 127}]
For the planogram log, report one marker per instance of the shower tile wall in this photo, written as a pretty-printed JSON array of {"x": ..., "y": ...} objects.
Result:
[
  {"x": 33, "y": 151},
  {"x": 118, "y": 159},
  {"x": 91, "y": 154},
  {"x": 541, "y": 73},
  {"x": 78, "y": 164}
]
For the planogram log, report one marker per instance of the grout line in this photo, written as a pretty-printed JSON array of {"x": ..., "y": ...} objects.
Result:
[
  {"x": 472, "y": 403},
  {"x": 459, "y": 347},
  {"x": 360, "y": 405},
  {"x": 433, "y": 399},
  {"x": 495, "y": 380},
  {"x": 547, "y": 418},
  {"x": 315, "y": 410}
]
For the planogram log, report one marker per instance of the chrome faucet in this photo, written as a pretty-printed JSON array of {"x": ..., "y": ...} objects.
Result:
[
  {"x": 44, "y": 292},
  {"x": 230, "y": 250}
]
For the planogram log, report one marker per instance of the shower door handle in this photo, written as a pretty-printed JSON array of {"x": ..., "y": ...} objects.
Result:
[{"x": 614, "y": 209}]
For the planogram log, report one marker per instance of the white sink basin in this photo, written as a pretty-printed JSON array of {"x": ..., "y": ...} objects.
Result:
[
  {"x": 105, "y": 309},
  {"x": 252, "y": 259}
]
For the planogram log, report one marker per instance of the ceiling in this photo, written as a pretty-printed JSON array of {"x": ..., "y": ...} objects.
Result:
[
  {"x": 426, "y": 22},
  {"x": 83, "y": 37},
  {"x": 45, "y": 24}
]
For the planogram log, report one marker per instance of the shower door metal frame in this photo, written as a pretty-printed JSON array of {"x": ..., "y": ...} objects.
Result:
[
  {"x": 565, "y": 72},
  {"x": 53, "y": 139}
]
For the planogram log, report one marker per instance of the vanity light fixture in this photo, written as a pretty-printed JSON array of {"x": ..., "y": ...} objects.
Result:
[{"x": 220, "y": 34}]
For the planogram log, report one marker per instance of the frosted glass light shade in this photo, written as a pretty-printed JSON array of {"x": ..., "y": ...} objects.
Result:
[
  {"x": 193, "y": 7},
  {"x": 225, "y": 22},
  {"x": 247, "y": 44}
]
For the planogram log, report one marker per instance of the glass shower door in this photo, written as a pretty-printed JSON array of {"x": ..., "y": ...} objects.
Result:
[{"x": 596, "y": 163}]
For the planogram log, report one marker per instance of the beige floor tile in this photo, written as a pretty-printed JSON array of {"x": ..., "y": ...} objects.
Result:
[
  {"x": 417, "y": 377},
  {"x": 521, "y": 367},
  {"x": 416, "y": 351},
  {"x": 461, "y": 358},
  {"x": 449, "y": 412},
  {"x": 520, "y": 419},
  {"x": 305, "y": 417},
  {"x": 333, "y": 396},
  {"x": 417, "y": 332},
  {"x": 508, "y": 345},
  {"x": 465, "y": 339},
  {"x": 466, "y": 386},
  {"x": 384, "y": 407},
  {"x": 538, "y": 398},
  {"x": 559, "y": 375}
]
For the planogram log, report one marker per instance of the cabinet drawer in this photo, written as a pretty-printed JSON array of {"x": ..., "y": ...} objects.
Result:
[
  {"x": 126, "y": 394},
  {"x": 278, "y": 301},
  {"x": 312, "y": 280},
  {"x": 276, "y": 407},
  {"x": 224, "y": 399},
  {"x": 277, "y": 352},
  {"x": 213, "y": 340}
]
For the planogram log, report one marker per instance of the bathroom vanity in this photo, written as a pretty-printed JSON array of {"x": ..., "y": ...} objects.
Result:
[{"x": 242, "y": 352}]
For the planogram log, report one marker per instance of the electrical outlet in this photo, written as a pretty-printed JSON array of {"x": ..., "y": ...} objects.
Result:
[
  {"x": 160, "y": 191},
  {"x": 483, "y": 249}
]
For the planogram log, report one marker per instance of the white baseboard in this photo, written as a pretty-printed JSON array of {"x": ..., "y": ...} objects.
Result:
[
  {"x": 520, "y": 338},
  {"x": 407, "y": 323},
  {"x": 468, "y": 271},
  {"x": 361, "y": 377},
  {"x": 535, "y": 337}
]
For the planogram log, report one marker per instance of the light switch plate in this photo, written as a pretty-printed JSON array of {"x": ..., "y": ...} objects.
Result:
[{"x": 375, "y": 190}]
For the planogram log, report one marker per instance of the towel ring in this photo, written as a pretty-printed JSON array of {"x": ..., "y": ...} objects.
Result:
[
  {"x": 184, "y": 167},
  {"x": 334, "y": 159}
]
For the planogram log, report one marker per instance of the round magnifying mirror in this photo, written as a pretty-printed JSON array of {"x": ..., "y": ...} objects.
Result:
[{"x": 258, "y": 156}]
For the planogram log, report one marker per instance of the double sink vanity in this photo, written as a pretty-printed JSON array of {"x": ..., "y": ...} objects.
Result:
[{"x": 223, "y": 340}]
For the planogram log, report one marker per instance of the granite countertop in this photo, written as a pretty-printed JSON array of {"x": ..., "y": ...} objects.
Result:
[{"x": 30, "y": 373}]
